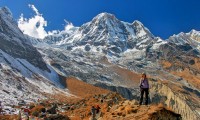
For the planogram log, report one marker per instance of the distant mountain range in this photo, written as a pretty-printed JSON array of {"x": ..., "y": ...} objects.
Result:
[{"x": 104, "y": 52}]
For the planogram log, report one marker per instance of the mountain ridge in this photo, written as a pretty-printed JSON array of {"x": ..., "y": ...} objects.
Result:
[{"x": 101, "y": 50}]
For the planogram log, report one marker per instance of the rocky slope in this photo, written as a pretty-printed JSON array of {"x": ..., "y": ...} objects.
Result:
[
  {"x": 175, "y": 97},
  {"x": 14, "y": 43},
  {"x": 24, "y": 76},
  {"x": 184, "y": 60},
  {"x": 112, "y": 105}
]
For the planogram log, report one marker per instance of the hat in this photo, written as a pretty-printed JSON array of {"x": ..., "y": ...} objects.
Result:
[{"x": 143, "y": 73}]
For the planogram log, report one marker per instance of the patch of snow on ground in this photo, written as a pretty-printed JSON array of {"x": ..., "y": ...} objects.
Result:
[
  {"x": 133, "y": 54},
  {"x": 21, "y": 81},
  {"x": 158, "y": 44},
  {"x": 28, "y": 69}
]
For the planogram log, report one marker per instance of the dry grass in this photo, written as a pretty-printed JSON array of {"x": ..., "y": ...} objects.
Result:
[
  {"x": 166, "y": 64},
  {"x": 37, "y": 108},
  {"x": 8, "y": 117},
  {"x": 127, "y": 74},
  {"x": 82, "y": 89}
]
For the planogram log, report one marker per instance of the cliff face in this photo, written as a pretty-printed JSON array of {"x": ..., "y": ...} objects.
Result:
[
  {"x": 23, "y": 73},
  {"x": 14, "y": 43},
  {"x": 175, "y": 99}
]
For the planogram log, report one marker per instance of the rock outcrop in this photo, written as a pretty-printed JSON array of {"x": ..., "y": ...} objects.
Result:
[{"x": 174, "y": 99}]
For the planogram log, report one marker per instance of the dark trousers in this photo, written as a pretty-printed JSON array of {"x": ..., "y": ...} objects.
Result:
[{"x": 146, "y": 91}]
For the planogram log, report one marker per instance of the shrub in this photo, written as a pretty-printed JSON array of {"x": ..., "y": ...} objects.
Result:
[
  {"x": 35, "y": 113},
  {"x": 31, "y": 106}
]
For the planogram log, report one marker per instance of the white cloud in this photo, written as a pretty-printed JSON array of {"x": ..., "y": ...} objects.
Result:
[
  {"x": 68, "y": 25},
  {"x": 67, "y": 28},
  {"x": 53, "y": 32},
  {"x": 33, "y": 26},
  {"x": 34, "y": 9}
]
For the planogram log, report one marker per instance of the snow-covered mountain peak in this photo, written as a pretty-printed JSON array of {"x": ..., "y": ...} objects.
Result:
[
  {"x": 105, "y": 19},
  {"x": 105, "y": 15},
  {"x": 141, "y": 30},
  {"x": 137, "y": 23},
  {"x": 194, "y": 32},
  {"x": 105, "y": 31},
  {"x": 195, "y": 35},
  {"x": 191, "y": 39}
]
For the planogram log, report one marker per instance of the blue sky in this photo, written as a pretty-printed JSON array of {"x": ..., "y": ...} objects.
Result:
[{"x": 163, "y": 17}]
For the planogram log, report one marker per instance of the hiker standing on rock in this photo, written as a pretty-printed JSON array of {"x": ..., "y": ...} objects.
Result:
[{"x": 144, "y": 88}]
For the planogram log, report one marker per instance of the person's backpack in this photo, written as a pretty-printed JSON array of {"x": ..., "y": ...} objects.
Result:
[{"x": 97, "y": 108}]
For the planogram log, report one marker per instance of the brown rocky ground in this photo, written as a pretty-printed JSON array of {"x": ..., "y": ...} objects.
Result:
[
  {"x": 113, "y": 106},
  {"x": 82, "y": 89},
  {"x": 8, "y": 117}
]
